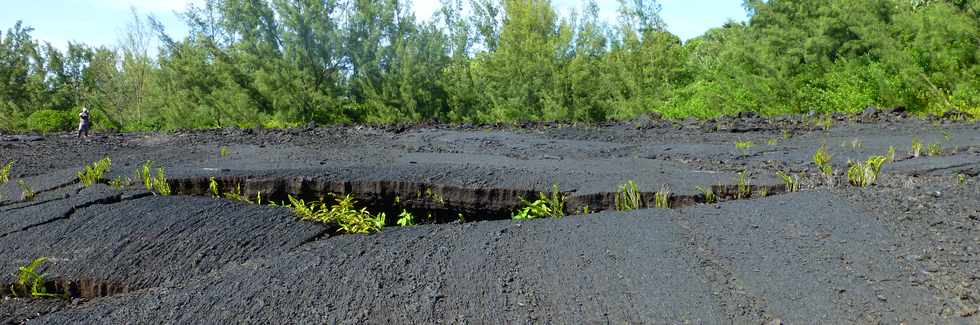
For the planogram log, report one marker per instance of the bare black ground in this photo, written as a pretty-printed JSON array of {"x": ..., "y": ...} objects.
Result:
[{"x": 904, "y": 250}]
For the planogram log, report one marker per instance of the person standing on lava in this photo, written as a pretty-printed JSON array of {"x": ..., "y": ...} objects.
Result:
[{"x": 84, "y": 122}]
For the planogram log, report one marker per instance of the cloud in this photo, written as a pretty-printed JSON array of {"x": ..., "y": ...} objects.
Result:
[{"x": 148, "y": 6}]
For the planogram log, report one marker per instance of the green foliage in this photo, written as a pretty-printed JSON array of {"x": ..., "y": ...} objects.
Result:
[
  {"x": 47, "y": 121},
  {"x": 891, "y": 154},
  {"x": 342, "y": 214},
  {"x": 916, "y": 151},
  {"x": 822, "y": 159},
  {"x": 744, "y": 145},
  {"x": 213, "y": 188},
  {"x": 223, "y": 152},
  {"x": 709, "y": 194},
  {"x": 661, "y": 199},
  {"x": 864, "y": 174},
  {"x": 743, "y": 189},
  {"x": 406, "y": 219},
  {"x": 235, "y": 195},
  {"x": 546, "y": 206},
  {"x": 935, "y": 149},
  {"x": 961, "y": 179},
  {"x": 29, "y": 279},
  {"x": 5, "y": 172},
  {"x": 26, "y": 193},
  {"x": 792, "y": 183},
  {"x": 94, "y": 172},
  {"x": 155, "y": 183},
  {"x": 285, "y": 63},
  {"x": 119, "y": 182},
  {"x": 628, "y": 197}
]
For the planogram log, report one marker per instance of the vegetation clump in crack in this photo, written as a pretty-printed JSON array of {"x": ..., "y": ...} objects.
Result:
[
  {"x": 661, "y": 199},
  {"x": 916, "y": 150},
  {"x": 628, "y": 197},
  {"x": 792, "y": 182},
  {"x": 93, "y": 173},
  {"x": 341, "y": 214},
  {"x": 708, "y": 193},
  {"x": 743, "y": 189},
  {"x": 546, "y": 206},
  {"x": 864, "y": 174},
  {"x": 30, "y": 281},
  {"x": 5, "y": 172},
  {"x": 26, "y": 192},
  {"x": 822, "y": 159},
  {"x": 155, "y": 183},
  {"x": 743, "y": 145}
]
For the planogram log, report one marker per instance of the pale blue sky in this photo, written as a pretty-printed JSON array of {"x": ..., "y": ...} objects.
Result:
[{"x": 98, "y": 22}]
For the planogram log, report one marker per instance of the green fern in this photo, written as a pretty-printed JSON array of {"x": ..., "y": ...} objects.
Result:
[
  {"x": 94, "y": 172},
  {"x": 30, "y": 280},
  {"x": 661, "y": 199},
  {"x": 5, "y": 172},
  {"x": 628, "y": 197}
]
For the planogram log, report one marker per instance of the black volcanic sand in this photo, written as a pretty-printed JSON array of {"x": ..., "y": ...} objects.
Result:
[{"x": 905, "y": 250}]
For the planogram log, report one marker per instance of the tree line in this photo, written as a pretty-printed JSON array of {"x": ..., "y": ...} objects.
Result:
[{"x": 280, "y": 63}]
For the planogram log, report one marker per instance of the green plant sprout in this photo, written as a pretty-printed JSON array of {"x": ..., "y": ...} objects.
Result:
[
  {"x": 628, "y": 197},
  {"x": 743, "y": 188},
  {"x": 119, "y": 182},
  {"x": 864, "y": 174},
  {"x": 916, "y": 151},
  {"x": 94, "y": 172},
  {"x": 822, "y": 159},
  {"x": 213, "y": 188},
  {"x": 935, "y": 149},
  {"x": 223, "y": 152},
  {"x": 744, "y": 145},
  {"x": 5, "y": 172},
  {"x": 406, "y": 219},
  {"x": 435, "y": 197},
  {"x": 708, "y": 193},
  {"x": 156, "y": 184},
  {"x": 891, "y": 154},
  {"x": 772, "y": 142},
  {"x": 546, "y": 206},
  {"x": 26, "y": 193},
  {"x": 661, "y": 199},
  {"x": 763, "y": 191},
  {"x": 342, "y": 214},
  {"x": 29, "y": 280},
  {"x": 792, "y": 182},
  {"x": 961, "y": 179}
]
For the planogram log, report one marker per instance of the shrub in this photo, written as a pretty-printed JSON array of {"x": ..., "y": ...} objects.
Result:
[
  {"x": 628, "y": 197},
  {"x": 93, "y": 173},
  {"x": 46, "y": 121}
]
